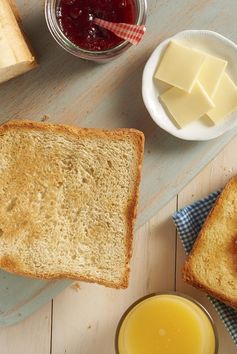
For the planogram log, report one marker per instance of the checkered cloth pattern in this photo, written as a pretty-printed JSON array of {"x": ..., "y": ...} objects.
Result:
[
  {"x": 189, "y": 221},
  {"x": 131, "y": 33}
]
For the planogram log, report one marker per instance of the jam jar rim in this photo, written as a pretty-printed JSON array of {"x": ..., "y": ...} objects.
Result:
[{"x": 65, "y": 43}]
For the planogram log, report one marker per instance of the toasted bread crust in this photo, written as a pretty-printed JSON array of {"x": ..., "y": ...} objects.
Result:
[
  {"x": 138, "y": 139},
  {"x": 13, "y": 6},
  {"x": 187, "y": 273}
]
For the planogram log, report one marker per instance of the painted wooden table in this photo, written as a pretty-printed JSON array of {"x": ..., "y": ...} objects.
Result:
[{"x": 82, "y": 319}]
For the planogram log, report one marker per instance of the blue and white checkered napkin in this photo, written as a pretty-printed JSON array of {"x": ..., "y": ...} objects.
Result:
[{"x": 189, "y": 221}]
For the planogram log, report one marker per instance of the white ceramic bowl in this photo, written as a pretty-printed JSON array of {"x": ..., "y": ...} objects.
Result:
[{"x": 202, "y": 129}]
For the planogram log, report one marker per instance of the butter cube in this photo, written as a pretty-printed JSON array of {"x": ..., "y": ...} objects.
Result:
[
  {"x": 211, "y": 73},
  {"x": 187, "y": 107},
  {"x": 180, "y": 66},
  {"x": 225, "y": 99}
]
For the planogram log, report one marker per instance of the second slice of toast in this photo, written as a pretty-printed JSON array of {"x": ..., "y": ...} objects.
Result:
[{"x": 212, "y": 263}]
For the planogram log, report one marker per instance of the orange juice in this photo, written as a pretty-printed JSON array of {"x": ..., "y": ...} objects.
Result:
[{"x": 166, "y": 324}]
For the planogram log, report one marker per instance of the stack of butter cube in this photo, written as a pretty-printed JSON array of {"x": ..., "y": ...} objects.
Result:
[{"x": 200, "y": 85}]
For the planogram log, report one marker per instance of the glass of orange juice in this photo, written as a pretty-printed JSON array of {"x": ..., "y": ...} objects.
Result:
[{"x": 166, "y": 323}]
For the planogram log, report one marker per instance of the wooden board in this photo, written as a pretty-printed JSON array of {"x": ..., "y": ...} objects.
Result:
[{"x": 72, "y": 91}]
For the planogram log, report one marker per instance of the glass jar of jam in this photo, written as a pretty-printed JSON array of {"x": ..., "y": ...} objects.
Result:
[{"x": 71, "y": 24}]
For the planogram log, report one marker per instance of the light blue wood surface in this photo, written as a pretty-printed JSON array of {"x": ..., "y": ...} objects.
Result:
[{"x": 75, "y": 92}]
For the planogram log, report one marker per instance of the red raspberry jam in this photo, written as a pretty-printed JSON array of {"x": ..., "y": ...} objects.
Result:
[{"x": 75, "y": 18}]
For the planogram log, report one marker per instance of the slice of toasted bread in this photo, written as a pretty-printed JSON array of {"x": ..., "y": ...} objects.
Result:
[
  {"x": 212, "y": 263},
  {"x": 68, "y": 200}
]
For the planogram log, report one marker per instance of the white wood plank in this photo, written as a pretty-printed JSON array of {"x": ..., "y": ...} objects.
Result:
[
  {"x": 31, "y": 336},
  {"x": 213, "y": 177},
  {"x": 85, "y": 321}
]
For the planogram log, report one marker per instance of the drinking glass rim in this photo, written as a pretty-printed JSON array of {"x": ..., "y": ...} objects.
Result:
[{"x": 176, "y": 293}]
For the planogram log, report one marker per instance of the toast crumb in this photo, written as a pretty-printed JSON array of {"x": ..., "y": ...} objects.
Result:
[
  {"x": 45, "y": 118},
  {"x": 75, "y": 286}
]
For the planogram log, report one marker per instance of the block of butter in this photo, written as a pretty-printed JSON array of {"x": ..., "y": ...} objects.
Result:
[
  {"x": 15, "y": 56},
  {"x": 186, "y": 107},
  {"x": 225, "y": 99},
  {"x": 180, "y": 66},
  {"x": 211, "y": 73}
]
